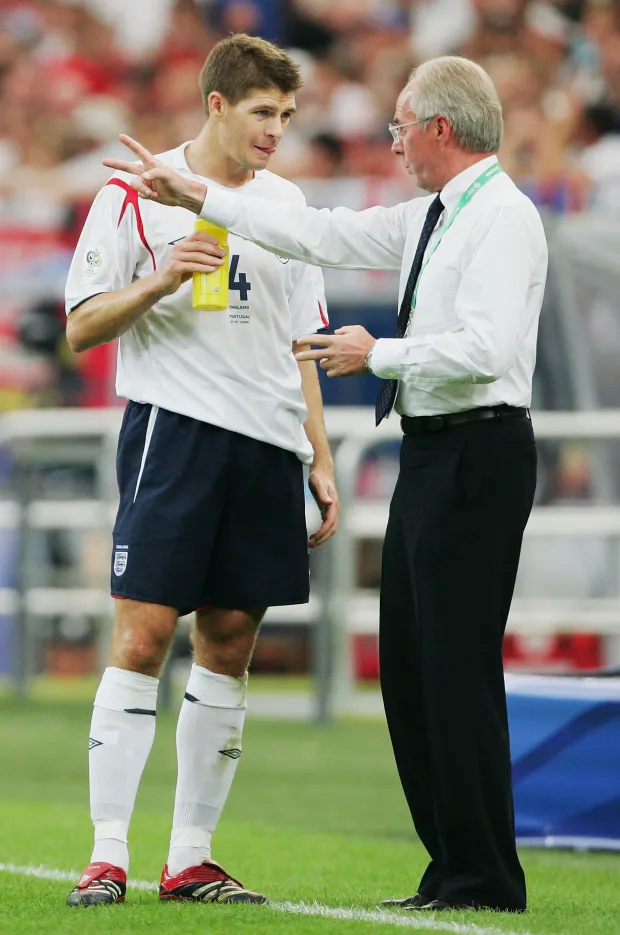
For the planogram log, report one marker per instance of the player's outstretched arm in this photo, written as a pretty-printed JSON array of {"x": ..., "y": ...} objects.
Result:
[{"x": 371, "y": 239}]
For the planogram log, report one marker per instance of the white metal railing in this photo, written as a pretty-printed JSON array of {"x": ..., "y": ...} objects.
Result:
[{"x": 337, "y": 605}]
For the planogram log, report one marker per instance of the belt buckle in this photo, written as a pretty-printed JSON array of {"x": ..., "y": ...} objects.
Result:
[{"x": 434, "y": 424}]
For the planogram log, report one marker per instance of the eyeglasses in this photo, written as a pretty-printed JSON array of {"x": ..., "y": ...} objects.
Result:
[{"x": 397, "y": 128}]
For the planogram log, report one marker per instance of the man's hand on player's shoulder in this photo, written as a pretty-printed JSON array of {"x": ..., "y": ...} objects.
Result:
[{"x": 154, "y": 180}]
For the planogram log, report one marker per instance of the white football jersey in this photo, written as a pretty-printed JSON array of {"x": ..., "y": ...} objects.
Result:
[{"x": 235, "y": 368}]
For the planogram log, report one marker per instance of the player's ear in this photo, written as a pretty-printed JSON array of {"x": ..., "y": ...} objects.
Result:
[{"x": 216, "y": 103}]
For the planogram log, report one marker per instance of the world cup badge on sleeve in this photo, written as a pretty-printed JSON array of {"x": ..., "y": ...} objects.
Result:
[{"x": 94, "y": 261}]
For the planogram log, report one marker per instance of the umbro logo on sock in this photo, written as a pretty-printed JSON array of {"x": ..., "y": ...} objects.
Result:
[
  {"x": 92, "y": 743},
  {"x": 234, "y": 753}
]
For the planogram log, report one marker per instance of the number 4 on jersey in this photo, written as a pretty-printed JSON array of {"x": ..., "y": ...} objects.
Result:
[{"x": 241, "y": 284}]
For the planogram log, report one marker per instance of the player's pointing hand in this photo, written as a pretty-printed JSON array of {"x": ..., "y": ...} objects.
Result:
[{"x": 155, "y": 180}]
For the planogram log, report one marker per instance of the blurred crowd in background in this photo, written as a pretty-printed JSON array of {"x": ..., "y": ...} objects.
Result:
[{"x": 75, "y": 73}]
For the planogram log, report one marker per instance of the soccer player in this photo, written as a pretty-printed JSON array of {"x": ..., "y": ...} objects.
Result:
[{"x": 221, "y": 419}]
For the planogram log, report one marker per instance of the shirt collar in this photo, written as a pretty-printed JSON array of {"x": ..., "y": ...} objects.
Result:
[
  {"x": 179, "y": 163},
  {"x": 178, "y": 160},
  {"x": 452, "y": 191}
]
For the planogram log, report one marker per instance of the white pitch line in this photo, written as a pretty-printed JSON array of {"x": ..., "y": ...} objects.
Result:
[
  {"x": 413, "y": 920},
  {"x": 426, "y": 923}
]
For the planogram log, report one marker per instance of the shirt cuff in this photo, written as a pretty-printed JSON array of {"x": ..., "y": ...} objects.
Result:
[
  {"x": 388, "y": 358},
  {"x": 219, "y": 207}
]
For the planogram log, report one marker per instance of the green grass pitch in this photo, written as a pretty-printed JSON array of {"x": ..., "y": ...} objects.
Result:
[{"x": 316, "y": 817}]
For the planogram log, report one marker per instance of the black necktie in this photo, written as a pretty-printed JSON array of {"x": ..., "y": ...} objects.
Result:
[{"x": 387, "y": 393}]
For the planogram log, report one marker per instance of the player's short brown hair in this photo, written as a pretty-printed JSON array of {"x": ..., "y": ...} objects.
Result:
[{"x": 240, "y": 64}]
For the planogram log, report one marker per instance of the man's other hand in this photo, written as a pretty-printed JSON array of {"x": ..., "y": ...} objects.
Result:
[{"x": 341, "y": 354}]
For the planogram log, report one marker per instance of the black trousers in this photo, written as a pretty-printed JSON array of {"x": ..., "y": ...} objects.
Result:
[{"x": 450, "y": 560}]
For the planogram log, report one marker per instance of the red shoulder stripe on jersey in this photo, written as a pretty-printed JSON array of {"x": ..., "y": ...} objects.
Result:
[
  {"x": 324, "y": 317},
  {"x": 132, "y": 198}
]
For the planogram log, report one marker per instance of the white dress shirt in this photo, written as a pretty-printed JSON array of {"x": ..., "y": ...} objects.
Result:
[{"x": 471, "y": 340}]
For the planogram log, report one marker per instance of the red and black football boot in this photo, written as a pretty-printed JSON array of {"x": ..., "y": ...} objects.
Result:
[
  {"x": 206, "y": 883},
  {"x": 99, "y": 885}
]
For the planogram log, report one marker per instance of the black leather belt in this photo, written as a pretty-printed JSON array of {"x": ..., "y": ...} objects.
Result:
[{"x": 420, "y": 425}]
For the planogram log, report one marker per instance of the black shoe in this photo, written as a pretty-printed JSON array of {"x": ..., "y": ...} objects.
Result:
[
  {"x": 440, "y": 905},
  {"x": 99, "y": 885},
  {"x": 409, "y": 902}
]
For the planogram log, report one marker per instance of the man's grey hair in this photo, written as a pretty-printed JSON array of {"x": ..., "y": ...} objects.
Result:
[{"x": 462, "y": 92}]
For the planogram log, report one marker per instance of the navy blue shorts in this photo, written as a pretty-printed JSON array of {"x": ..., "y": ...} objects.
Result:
[{"x": 206, "y": 516}]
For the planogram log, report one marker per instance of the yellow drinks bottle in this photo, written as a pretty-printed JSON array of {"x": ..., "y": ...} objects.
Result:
[{"x": 210, "y": 293}]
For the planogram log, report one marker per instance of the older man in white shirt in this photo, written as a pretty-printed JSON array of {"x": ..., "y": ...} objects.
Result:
[{"x": 473, "y": 263}]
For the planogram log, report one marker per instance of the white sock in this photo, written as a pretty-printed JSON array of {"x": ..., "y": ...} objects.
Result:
[
  {"x": 208, "y": 749},
  {"x": 121, "y": 736}
]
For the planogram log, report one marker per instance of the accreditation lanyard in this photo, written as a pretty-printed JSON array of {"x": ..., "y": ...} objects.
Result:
[{"x": 464, "y": 200}]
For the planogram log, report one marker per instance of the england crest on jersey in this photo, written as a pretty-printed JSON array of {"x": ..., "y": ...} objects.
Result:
[{"x": 120, "y": 562}]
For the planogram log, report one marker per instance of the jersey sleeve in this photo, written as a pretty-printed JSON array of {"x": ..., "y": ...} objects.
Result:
[
  {"x": 110, "y": 246},
  {"x": 307, "y": 302}
]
